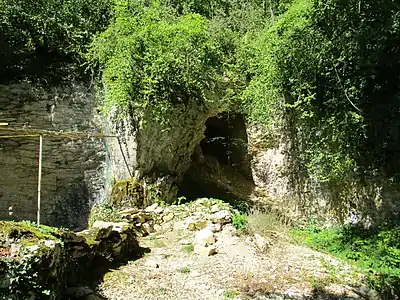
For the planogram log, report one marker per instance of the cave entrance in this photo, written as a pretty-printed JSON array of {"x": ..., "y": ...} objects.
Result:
[{"x": 220, "y": 166}]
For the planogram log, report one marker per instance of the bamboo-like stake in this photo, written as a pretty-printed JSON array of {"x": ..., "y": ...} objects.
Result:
[{"x": 39, "y": 177}]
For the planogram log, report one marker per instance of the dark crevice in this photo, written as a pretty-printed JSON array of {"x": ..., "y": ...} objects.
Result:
[{"x": 220, "y": 165}]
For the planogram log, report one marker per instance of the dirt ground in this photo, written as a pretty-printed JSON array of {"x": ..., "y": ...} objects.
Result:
[{"x": 239, "y": 270}]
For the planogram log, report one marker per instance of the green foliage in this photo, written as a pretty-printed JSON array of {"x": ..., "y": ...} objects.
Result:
[
  {"x": 103, "y": 212},
  {"x": 62, "y": 26},
  {"x": 26, "y": 232},
  {"x": 325, "y": 73},
  {"x": 188, "y": 248},
  {"x": 184, "y": 270},
  {"x": 375, "y": 250},
  {"x": 23, "y": 279},
  {"x": 239, "y": 221},
  {"x": 153, "y": 60},
  {"x": 230, "y": 294}
]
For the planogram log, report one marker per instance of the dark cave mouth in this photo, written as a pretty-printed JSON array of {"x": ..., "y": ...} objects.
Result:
[{"x": 220, "y": 159}]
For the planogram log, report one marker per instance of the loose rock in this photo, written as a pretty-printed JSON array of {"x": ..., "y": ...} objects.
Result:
[
  {"x": 205, "y": 251},
  {"x": 261, "y": 243},
  {"x": 204, "y": 237}
]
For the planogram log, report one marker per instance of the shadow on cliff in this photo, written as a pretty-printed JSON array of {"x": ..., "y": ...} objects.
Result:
[{"x": 51, "y": 68}]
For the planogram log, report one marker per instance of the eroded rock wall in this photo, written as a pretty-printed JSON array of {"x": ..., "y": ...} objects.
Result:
[
  {"x": 156, "y": 155},
  {"x": 373, "y": 201},
  {"x": 74, "y": 167}
]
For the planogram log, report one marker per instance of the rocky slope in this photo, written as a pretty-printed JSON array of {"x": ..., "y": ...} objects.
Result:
[{"x": 196, "y": 253}]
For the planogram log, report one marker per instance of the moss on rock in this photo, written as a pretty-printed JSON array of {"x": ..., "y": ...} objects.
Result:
[
  {"x": 127, "y": 193},
  {"x": 25, "y": 232}
]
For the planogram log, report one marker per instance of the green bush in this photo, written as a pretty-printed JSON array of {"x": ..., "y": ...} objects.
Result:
[
  {"x": 153, "y": 60},
  {"x": 239, "y": 221},
  {"x": 61, "y": 26},
  {"x": 103, "y": 212},
  {"x": 375, "y": 250}
]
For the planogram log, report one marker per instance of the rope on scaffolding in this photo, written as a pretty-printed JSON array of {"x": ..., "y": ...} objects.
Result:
[{"x": 20, "y": 133}]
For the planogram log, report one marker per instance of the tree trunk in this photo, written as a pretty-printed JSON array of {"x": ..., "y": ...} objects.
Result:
[{"x": 271, "y": 8}]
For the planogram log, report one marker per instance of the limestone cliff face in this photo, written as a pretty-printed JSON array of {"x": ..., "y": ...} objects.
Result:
[
  {"x": 372, "y": 201},
  {"x": 156, "y": 156},
  {"x": 73, "y": 174},
  {"x": 79, "y": 170}
]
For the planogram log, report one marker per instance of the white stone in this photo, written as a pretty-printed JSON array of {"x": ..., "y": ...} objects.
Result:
[
  {"x": 185, "y": 242},
  {"x": 147, "y": 228},
  {"x": 205, "y": 251},
  {"x": 151, "y": 264},
  {"x": 229, "y": 230},
  {"x": 159, "y": 210},
  {"x": 129, "y": 211},
  {"x": 151, "y": 208},
  {"x": 115, "y": 226},
  {"x": 168, "y": 217},
  {"x": 217, "y": 227},
  {"x": 261, "y": 243},
  {"x": 15, "y": 249},
  {"x": 222, "y": 216},
  {"x": 33, "y": 248},
  {"x": 204, "y": 237},
  {"x": 50, "y": 243},
  {"x": 214, "y": 208}
]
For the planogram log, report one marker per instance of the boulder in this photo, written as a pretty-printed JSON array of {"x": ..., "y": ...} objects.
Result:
[
  {"x": 118, "y": 227},
  {"x": 260, "y": 242},
  {"x": 205, "y": 250},
  {"x": 168, "y": 217},
  {"x": 155, "y": 208},
  {"x": 222, "y": 216},
  {"x": 204, "y": 237},
  {"x": 217, "y": 227},
  {"x": 194, "y": 223},
  {"x": 129, "y": 211},
  {"x": 229, "y": 230}
]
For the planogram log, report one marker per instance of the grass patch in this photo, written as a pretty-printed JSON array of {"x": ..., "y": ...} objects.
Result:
[
  {"x": 116, "y": 277},
  {"x": 103, "y": 212},
  {"x": 376, "y": 251},
  {"x": 265, "y": 223},
  {"x": 188, "y": 248},
  {"x": 184, "y": 270},
  {"x": 157, "y": 243},
  {"x": 27, "y": 233},
  {"x": 230, "y": 294}
]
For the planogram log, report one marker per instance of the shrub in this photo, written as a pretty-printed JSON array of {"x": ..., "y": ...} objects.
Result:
[
  {"x": 103, "y": 212},
  {"x": 239, "y": 221},
  {"x": 264, "y": 223},
  {"x": 375, "y": 250}
]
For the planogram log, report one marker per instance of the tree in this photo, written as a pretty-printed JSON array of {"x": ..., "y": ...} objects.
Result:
[{"x": 62, "y": 26}]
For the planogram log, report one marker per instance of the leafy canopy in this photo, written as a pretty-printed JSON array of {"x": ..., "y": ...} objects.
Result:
[
  {"x": 152, "y": 59},
  {"x": 326, "y": 71},
  {"x": 61, "y": 26}
]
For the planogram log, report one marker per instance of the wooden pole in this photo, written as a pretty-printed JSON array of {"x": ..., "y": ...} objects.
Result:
[{"x": 39, "y": 177}]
